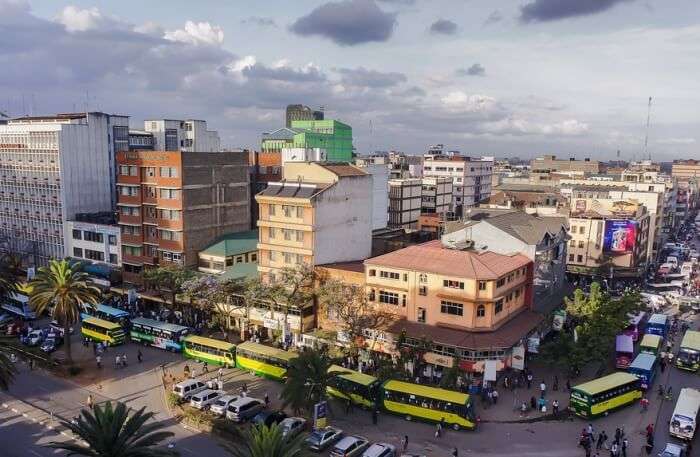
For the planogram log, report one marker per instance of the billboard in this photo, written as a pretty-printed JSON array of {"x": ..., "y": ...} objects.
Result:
[{"x": 620, "y": 236}]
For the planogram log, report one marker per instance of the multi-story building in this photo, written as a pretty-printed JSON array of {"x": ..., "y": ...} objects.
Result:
[
  {"x": 436, "y": 195},
  {"x": 533, "y": 199},
  {"x": 301, "y": 113},
  {"x": 182, "y": 135},
  {"x": 471, "y": 177},
  {"x": 172, "y": 204},
  {"x": 683, "y": 170},
  {"x": 320, "y": 213},
  {"x": 52, "y": 168},
  {"x": 405, "y": 202},
  {"x": 232, "y": 256},
  {"x": 550, "y": 164},
  {"x": 141, "y": 140},
  {"x": 330, "y": 135},
  {"x": 94, "y": 238}
]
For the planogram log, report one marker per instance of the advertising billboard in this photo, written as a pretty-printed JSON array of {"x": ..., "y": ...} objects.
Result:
[{"x": 620, "y": 236}]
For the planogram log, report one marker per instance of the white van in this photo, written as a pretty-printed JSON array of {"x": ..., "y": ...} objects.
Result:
[
  {"x": 203, "y": 399},
  {"x": 220, "y": 406},
  {"x": 687, "y": 269},
  {"x": 186, "y": 389},
  {"x": 244, "y": 408},
  {"x": 672, "y": 260},
  {"x": 685, "y": 416}
]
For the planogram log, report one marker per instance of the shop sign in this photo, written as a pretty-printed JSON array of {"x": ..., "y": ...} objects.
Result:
[
  {"x": 518, "y": 358},
  {"x": 533, "y": 344},
  {"x": 439, "y": 359},
  {"x": 559, "y": 319}
]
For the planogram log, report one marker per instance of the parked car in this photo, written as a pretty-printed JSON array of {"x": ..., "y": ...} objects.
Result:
[
  {"x": 413, "y": 455},
  {"x": 51, "y": 343},
  {"x": 33, "y": 338},
  {"x": 186, "y": 389},
  {"x": 202, "y": 400},
  {"x": 674, "y": 450},
  {"x": 59, "y": 328},
  {"x": 321, "y": 438},
  {"x": 349, "y": 446},
  {"x": 380, "y": 450},
  {"x": 292, "y": 426},
  {"x": 220, "y": 406},
  {"x": 268, "y": 418},
  {"x": 244, "y": 408}
]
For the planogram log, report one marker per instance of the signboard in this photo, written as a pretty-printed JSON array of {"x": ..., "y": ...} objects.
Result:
[
  {"x": 533, "y": 344},
  {"x": 320, "y": 414},
  {"x": 619, "y": 236},
  {"x": 580, "y": 206},
  {"x": 518, "y": 362},
  {"x": 439, "y": 359},
  {"x": 272, "y": 324},
  {"x": 559, "y": 319},
  {"x": 490, "y": 367}
]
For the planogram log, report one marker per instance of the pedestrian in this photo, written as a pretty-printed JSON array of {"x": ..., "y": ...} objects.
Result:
[
  {"x": 589, "y": 431},
  {"x": 543, "y": 388},
  {"x": 602, "y": 438},
  {"x": 489, "y": 393},
  {"x": 662, "y": 365},
  {"x": 348, "y": 405},
  {"x": 220, "y": 373},
  {"x": 404, "y": 443},
  {"x": 124, "y": 360},
  {"x": 139, "y": 356},
  {"x": 533, "y": 402},
  {"x": 193, "y": 373},
  {"x": 529, "y": 380},
  {"x": 588, "y": 451},
  {"x": 645, "y": 404},
  {"x": 205, "y": 367},
  {"x": 31, "y": 363},
  {"x": 614, "y": 450},
  {"x": 650, "y": 429},
  {"x": 624, "y": 446},
  {"x": 555, "y": 386},
  {"x": 494, "y": 395},
  {"x": 455, "y": 453},
  {"x": 650, "y": 444},
  {"x": 661, "y": 390},
  {"x": 98, "y": 359},
  {"x": 523, "y": 409},
  {"x": 375, "y": 416},
  {"x": 117, "y": 361},
  {"x": 267, "y": 400},
  {"x": 555, "y": 407},
  {"x": 89, "y": 401},
  {"x": 618, "y": 435},
  {"x": 568, "y": 385}
]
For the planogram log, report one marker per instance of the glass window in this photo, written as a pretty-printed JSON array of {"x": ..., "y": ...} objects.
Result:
[
  {"x": 452, "y": 284},
  {"x": 454, "y": 308},
  {"x": 168, "y": 172},
  {"x": 77, "y": 252},
  {"x": 271, "y": 232},
  {"x": 112, "y": 239},
  {"x": 499, "y": 306},
  {"x": 390, "y": 298},
  {"x": 480, "y": 311},
  {"x": 113, "y": 259},
  {"x": 482, "y": 285},
  {"x": 77, "y": 234},
  {"x": 170, "y": 194},
  {"x": 271, "y": 210},
  {"x": 300, "y": 212},
  {"x": 389, "y": 274}
]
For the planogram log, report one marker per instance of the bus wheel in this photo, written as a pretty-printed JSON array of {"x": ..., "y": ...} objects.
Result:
[
  {"x": 408, "y": 417},
  {"x": 455, "y": 427}
]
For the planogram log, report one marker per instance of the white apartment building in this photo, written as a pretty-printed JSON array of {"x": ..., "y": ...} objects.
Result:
[
  {"x": 52, "y": 168},
  {"x": 405, "y": 202},
  {"x": 93, "y": 242},
  {"x": 471, "y": 177},
  {"x": 436, "y": 195},
  {"x": 182, "y": 135}
]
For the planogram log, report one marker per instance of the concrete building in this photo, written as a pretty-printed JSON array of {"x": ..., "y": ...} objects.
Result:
[
  {"x": 550, "y": 164},
  {"x": 232, "y": 256},
  {"x": 182, "y": 135},
  {"x": 538, "y": 200},
  {"x": 172, "y": 204},
  {"x": 405, "y": 202},
  {"x": 330, "y": 135},
  {"x": 683, "y": 170},
  {"x": 93, "y": 238},
  {"x": 319, "y": 213},
  {"x": 301, "y": 113},
  {"x": 380, "y": 194},
  {"x": 52, "y": 168},
  {"x": 436, "y": 195},
  {"x": 141, "y": 140}
]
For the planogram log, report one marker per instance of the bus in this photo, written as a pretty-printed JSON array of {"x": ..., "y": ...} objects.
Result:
[
  {"x": 600, "y": 396},
  {"x": 624, "y": 351},
  {"x": 107, "y": 313},
  {"x": 651, "y": 344},
  {"x": 688, "y": 357},
  {"x": 18, "y": 303},
  {"x": 264, "y": 360},
  {"x": 359, "y": 388},
  {"x": 636, "y": 327},
  {"x": 685, "y": 415},
  {"x": 209, "y": 350},
  {"x": 101, "y": 330},
  {"x": 658, "y": 325},
  {"x": 158, "y": 334},
  {"x": 644, "y": 367},
  {"x": 432, "y": 404}
]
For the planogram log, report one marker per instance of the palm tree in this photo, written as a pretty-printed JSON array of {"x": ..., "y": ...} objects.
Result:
[
  {"x": 64, "y": 286},
  {"x": 264, "y": 441},
  {"x": 113, "y": 432},
  {"x": 307, "y": 378}
]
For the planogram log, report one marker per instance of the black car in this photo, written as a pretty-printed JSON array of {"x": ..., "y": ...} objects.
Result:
[{"x": 269, "y": 417}]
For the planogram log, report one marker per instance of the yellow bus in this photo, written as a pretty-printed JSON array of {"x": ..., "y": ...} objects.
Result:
[
  {"x": 264, "y": 360},
  {"x": 688, "y": 357},
  {"x": 602, "y": 395},
  {"x": 209, "y": 350},
  {"x": 651, "y": 344},
  {"x": 361, "y": 389},
  {"x": 414, "y": 401},
  {"x": 101, "y": 330}
]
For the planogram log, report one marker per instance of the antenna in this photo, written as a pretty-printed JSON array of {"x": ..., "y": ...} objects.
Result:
[{"x": 646, "y": 135}]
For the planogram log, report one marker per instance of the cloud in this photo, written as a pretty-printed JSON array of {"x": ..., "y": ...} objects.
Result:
[
  {"x": 75, "y": 19},
  {"x": 347, "y": 22},
  {"x": 676, "y": 141},
  {"x": 363, "y": 77},
  {"x": 443, "y": 27},
  {"x": 494, "y": 17},
  {"x": 282, "y": 71},
  {"x": 475, "y": 103},
  {"x": 475, "y": 70},
  {"x": 197, "y": 33},
  {"x": 399, "y": 2},
  {"x": 552, "y": 10},
  {"x": 260, "y": 21}
]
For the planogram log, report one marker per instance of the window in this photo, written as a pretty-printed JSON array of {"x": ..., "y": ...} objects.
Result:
[
  {"x": 129, "y": 211},
  {"x": 77, "y": 234},
  {"x": 124, "y": 170},
  {"x": 168, "y": 172},
  {"x": 239, "y": 259},
  {"x": 300, "y": 236},
  {"x": 423, "y": 290},
  {"x": 371, "y": 296},
  {"x": 579, "y": 258},
  {"x": 287, "y": 210},
  {"x": 271, "y": 210},
  {"x": 130, "y": 230},
  {"x": 480, "y": 311},
  {"x": 149, "y": 192},
  {"x": 372, "y": 272},
  {"x": 271, "y": 232},
  {"x": 254, "y": 257},
  {"x": 571, "y": 257},
  {"x": 501, "y": 282},
  {"x": 131, "y": 250},
  {"x": 499, "y": 306},
  {"x": 423, "y": 278},
  {"x": 128, "y": 191},
  {"x": 482, "y": 285},
  {"x": 300, "y": 259},
  {"x": 448, "y": 307},
  {"x": 582, "y": 229},
  {"x": 112, "y": 240},
  {"x": 453, "y": 284},
  {"x": 572, "y": 243},
  {"x": 169, "y": 214},
  {"x": 580, "y": 244},
  {"x": 300, "y": 212},
  {"x": 390, "y": 298},
  {"x": 169, "y": 235},
  {"x": 114, "y": 259},
  {"x": 288, "y": 257},
  {"x": 77, "y": 252},
  {"x": 170, "y": 194},
  {"x": 149, "y": 172},
  {"x": 93, "y": 236},
  {"x": 509, "y": 297},
  {"x": 273, "y": 256},
  {"x": 389, "y": 275},
  {"x": 517, "y": 293},
  {"x": 287, "y": 234},
  {"x": 421, "y": 315},
  {"x": 94, "y": 255}
]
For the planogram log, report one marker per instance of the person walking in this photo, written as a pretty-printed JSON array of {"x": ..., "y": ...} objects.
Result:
[
  {"x": 624, "y": 446},
  {"x": 529, "y": 380},
  {"x": 124, "y": 360},
  {"x": 589, "y": 430},
  {"x": 117, "y": 361},
  {"x": 139, "y": 356},
  {"x": 220, "y": 373},
  {"x": 375, "y": 416},
  {"x": 98, "y": 359},
  {"x": 543, "y": 388},
  {"x": 533, "y": 402},
  {"x": 267, "y": 400},
  {"x": 555, "y": 407},
  {"x": 89, "y": 401},
  {"x": 602, "y": 438},
  {"x": 618, "y": 435},
  {"x": 555, "y": 386},
  {"x": 438, "y": 430},
  {"x": 645, "y": 404},
  {"x": 404, "y": 443},
  {"x": 568, "y": 385},
  {"x": 494, "y": 395},
  {"x": 614, "y": 450},
  {"x": 455, "y": 453},
  {"x": 650, "y": 429}
]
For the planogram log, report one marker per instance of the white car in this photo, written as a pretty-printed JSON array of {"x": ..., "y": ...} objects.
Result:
[
  {"x": 350, "y": 446},
  {"x": 323, "y": 437},
  {"x": 221, "y": 404},
  {"x": 380, "y": 450},
  {"x": 203, "y": 399},
  {"x": 292, "y": 426}
]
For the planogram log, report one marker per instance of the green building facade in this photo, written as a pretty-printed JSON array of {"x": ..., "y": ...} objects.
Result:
[{"x": 331, "y": 135}]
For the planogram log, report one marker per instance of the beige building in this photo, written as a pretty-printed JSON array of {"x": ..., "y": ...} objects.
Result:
[{"x": 685, "y": 169}]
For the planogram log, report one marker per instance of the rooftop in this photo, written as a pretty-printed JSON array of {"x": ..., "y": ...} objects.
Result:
[
  {"x": 233, "y": 244},
  {"x": 343, "y": 169},
  {"x": 356, "y": 266},
  {"x": 526, "y": 227},
  {"x": 240, "y": 271},
  {"x": 434, "y": 258},
  {"x": 292, "y": 189}
]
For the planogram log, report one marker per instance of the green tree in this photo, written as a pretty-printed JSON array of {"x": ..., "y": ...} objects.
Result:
[
  {"x": 168, "y": 280},
  {"x": 8, "y": 275},
  {"x": 223, "y": 299},
  {"x": 307, "y": 378},
  {"x": 112, "y": 431},
  {"x": 264, "y": 441},
  {"x": 64, "y": 286}
]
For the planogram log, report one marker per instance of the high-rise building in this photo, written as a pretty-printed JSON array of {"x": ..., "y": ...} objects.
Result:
[
  {"x": 301, "y": 113},
  {"x": 685, "y": 169},
  {"x": 405, "y": 197},
  {"x": 330, "y": 135},
  {"x": 182, "y": 135},
  {"x": 52, "y": 168},
  {"x": 436, "y": 195}
]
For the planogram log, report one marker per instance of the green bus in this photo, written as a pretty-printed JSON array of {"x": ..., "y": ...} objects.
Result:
[
  {"x": 264, "y": 360},
  {"x": 158, "y": 334},
  {"x": 103, "y": 331},
  {"x": 603, "y": 395},
  {"x": 209, "y": 350},
  {"x": 688, "y": 357},
  {"x": 651, "y": 344},
  {"x": 359, "y": 388}
]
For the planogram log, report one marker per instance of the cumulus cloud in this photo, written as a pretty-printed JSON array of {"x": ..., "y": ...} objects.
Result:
[
  {"x": 75, "y": 19},
  {"x": 475, "y": 70},
  {"x": 347, "y": 22},
  {"x": 676, "y": 141},
  {"x": 552, "y": 10},
  {"x": 260, "y": 21},
  {"x": 443, "y": 27},
  {"x": 474, "y": 103},
  {"x": 197, "y": 33},
  {"x": 370, "y": 78}
]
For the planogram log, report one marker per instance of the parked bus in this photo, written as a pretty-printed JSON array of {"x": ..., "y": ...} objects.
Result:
[
  {"x": 685, "y": 415},
  {"x": 106, "y": 313},
  {"x": 650, "y": 344},
  {"x": 624, "y": 351},
  {"x": 17, "y": 303},
  {"x": 600, "y": 396},
  {"x": 158, "y": 334},
  {"x": 658, "y": 325},
  {"x": 264, "y": 360},
  {"x": 413, "y": 401},
  {"x": 209, "y": 350},
  {"x": 359, "y": 388},
  {"x": 644, "y": 367},
  {"x": 101, "y": 330},
  {"x": 636, "y": 327},
  {"x": 688, "y": 357}
]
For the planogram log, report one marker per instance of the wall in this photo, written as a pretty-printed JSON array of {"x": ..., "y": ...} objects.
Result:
[{"x": 380, "y": 194}]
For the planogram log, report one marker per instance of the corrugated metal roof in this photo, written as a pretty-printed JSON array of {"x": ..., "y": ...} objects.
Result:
[{"x": 233, "y": 244}]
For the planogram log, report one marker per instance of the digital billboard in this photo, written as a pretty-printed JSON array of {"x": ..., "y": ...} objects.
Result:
[{"x": 620, "y": 236}]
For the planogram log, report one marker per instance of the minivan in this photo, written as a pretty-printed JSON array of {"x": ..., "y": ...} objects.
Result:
[
  {"x": 186, "y": 389},
  {"x": 221, "y": 404},
  {"x": 244, "y": 408},
  {"x": 203, "y": 399}
]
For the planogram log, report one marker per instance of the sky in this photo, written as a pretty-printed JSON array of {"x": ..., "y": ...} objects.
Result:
[{"x": 505, "y": 78}]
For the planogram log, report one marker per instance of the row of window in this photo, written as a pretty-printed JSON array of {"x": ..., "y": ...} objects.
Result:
[
  {"x": 287, "y": 211},
  {"x": 287, "y": 234},
  {"x": 512, "y": 276},
  {"x": 133, "y": 170},
  {"x": 150, "y": 192},
  {"x": 287, "y": 257},
  {"x": 94, "y": 255},
  {"x": 95, "y": 237}
]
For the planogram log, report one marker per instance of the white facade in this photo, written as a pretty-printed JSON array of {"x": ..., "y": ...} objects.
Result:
[
  {"x": 303, "y": 155},
  {"x": 436, "y": 195},
  {"x": 404, "y": 202},
  {"x": 471, "y": 177},
  {"x": 182, "y": 135},
  {"x": 380, "y": 193},
  {"x": 93, "y": 242}
]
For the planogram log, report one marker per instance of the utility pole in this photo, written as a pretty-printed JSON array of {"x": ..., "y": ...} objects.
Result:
[{"x": 646, "y": 135}]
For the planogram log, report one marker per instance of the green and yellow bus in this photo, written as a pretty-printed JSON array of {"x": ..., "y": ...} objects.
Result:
[
  {"x": 603, "y": 395},
  {"x": 688, "y": 357},
  {"x": 651, "y": 344},
  {"x": 103, "y": 331},
  {"x": 264, "y": 360},
  {"x": 361, "y": 389},
  {"x": 209, "y": 350},
  {"x": 413, "y": 401}
]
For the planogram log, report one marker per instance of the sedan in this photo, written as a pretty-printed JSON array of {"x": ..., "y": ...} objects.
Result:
[
  {"x": 674, "y": 450},
  {"x": 268, "y": 418},
  {"x": 321, "y": 438},
  {"x": 292, "y": 426},
  {"x": 380, "y": 450},
  {"x": 221, "y": 403},
  {"x": 349, "y": 446}
]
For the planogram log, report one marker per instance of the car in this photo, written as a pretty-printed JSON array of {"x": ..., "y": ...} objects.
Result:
[
  {"x": 321, "y": 438},
  {"x": 380, "y": 450},
  {"x": 674, "y": 450},
  {"x": 34, "y": 338},
  {"x": 202, "y": 400},
  {"x": 349, "y": 446},
  {"x": 221, "y": 404},
  {"x": 292, "y": 426},
  {"x": 268, "y": 418},
  {"x": 413, "y": 455},
  {"x": 244, "y": 408},
  {"x": 186, "y": 389},
  {"x": 51, "y": 343},
  {"x": 59, "y": 328}
]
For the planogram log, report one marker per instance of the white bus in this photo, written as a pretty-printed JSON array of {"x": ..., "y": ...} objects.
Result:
[{"x": 685, "y": 416}]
